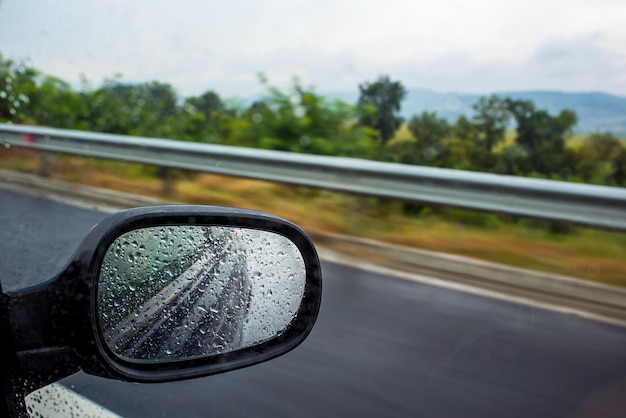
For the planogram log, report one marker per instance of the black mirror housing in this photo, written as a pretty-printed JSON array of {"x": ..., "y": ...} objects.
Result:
[{"x": 56, "y": 328}]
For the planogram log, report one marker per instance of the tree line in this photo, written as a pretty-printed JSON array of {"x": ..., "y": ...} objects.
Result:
[{"x": 502, "y": 135}]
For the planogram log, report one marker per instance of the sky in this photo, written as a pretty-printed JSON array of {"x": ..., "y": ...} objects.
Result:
[{"x": 465, "y": 46}]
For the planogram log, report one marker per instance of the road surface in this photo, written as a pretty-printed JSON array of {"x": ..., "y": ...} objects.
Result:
[{"x": 381, "y": 347}]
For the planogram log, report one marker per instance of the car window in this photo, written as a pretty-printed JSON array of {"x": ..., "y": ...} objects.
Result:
[{"x": 430, "y": 307}]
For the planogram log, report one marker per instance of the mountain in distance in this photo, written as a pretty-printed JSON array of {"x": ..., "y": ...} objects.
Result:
[{"x": 597, "y": 112}]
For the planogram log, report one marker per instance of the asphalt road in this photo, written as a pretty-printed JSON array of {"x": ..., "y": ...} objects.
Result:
[
  {"x": 187, "y": 299},
  {"x": 381, "y": 347}
]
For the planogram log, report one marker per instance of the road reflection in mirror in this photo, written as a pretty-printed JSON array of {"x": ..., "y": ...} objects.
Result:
[{"x": 174, "y": 293}]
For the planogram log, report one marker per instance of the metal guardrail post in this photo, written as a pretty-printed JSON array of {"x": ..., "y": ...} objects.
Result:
[
  {"x": 168, "y": 182},
  {"x": 45, "y": 164}
]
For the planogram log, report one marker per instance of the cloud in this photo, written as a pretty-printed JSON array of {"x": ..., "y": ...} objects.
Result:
[
  {"x": 576, "y": 64},
  {"x": 451, "y": 45},
  {"x": 582, "y": 58},
  {"x": 579, "y": 63}
]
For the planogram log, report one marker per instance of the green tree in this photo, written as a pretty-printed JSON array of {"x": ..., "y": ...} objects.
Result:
[
  {"x": 55, "y": 103},
  {"x": 205, "y": 118},
  {"x": 300, "y": 120},
  {"x": 297, "y": 120},
  {"x": 17, "y": 83},
  {"x": 429, "y": 132},
  {"x": 602, "y": 159},
  {"x": 379, "y": 104},
  {"x": 429, "y": 129},
  {"x": 207, "y": 104},
  {"x": 461, "y": 149},
  {"x": 465, "y": 130},
  {"x": 491, "y": 118},
  {"x": 134, "y": 109},
  {"x": 160, "y": 97},
  {"x": 541, "y": 136},
  {"x": 511, "y": 160}
]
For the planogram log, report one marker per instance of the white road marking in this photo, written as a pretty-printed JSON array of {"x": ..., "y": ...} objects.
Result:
[
  {"x": 57, "y": 401},
  {"x": 361, "y": 264}
]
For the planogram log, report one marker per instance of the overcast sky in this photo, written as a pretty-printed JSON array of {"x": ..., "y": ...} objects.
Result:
[{"x": 477, "y": 46}]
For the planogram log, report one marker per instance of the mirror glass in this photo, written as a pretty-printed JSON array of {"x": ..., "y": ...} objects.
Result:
[{"x": 173, "y": 293}]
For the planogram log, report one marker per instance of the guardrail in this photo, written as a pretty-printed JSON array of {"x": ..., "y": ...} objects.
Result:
[{"x": 589, "y": 205}]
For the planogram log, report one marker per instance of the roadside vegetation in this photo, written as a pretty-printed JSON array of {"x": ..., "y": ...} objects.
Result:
[{"x": 503, "y": 136}]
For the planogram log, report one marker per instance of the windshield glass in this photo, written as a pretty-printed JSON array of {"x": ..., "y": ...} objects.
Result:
[{"x": 434, "y": 152}]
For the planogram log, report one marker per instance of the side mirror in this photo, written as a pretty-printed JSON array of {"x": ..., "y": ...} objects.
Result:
[{"x": 170, "y": 292}]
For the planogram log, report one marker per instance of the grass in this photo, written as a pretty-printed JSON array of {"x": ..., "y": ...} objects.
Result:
[{"x": 585, "y": 253}]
